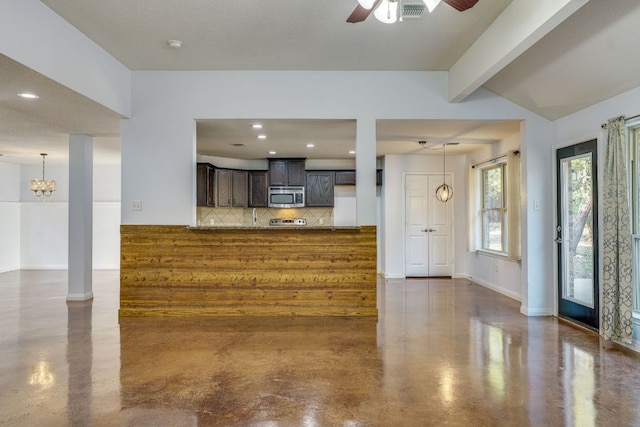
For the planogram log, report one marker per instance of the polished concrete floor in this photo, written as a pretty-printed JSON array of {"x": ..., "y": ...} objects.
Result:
[{"x": 442, "y": 353}]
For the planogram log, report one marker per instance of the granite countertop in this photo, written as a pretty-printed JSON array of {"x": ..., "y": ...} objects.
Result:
[{"x": 269, "y": 227}]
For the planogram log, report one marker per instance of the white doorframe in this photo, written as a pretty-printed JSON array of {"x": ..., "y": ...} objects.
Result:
[{"x": 449, "y": 179}]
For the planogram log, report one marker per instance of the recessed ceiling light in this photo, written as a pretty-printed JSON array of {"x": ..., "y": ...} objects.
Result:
[
  {"x": 352, "y": 152},
  {"x": 256, "y": 126},
  {"x": 272, "y": 152},
  {"x": 262, "y": 136},
  {"x": 175, "y": 44},
  {"x": 28, "y": 95},
  {"x": 310, "y": 145}
]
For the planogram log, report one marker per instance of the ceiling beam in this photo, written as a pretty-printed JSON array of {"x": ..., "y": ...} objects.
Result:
[{"x": 519, "y": 27}]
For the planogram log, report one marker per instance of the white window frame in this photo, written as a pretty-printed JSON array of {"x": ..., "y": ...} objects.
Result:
[
  {"x": 634, "y": 174},
  {"x": 503, "y": 209}
]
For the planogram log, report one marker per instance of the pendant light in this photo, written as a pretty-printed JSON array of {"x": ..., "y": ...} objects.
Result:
[
  {"x": 42, "y": 187},
  {"x": 444, "y": 193}
]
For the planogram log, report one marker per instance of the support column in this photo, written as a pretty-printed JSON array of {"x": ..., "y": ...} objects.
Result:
[
  {"x": 366, "y": 172},
  {"x": 80, "y": 217}
]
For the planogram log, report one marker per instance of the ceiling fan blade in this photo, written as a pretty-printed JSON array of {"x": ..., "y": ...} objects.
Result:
[
  {"x": 359, "y": 14},
  {"x": 461, "y": 5}
]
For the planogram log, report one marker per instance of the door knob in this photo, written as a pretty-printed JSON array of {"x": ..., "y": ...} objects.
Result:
[{"x": 428, "y": 230}]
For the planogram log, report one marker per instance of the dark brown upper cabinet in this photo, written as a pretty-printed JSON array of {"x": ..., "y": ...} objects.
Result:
[
  {"x": 287, "y": 172},
  {"x": 221, "y": 187},
  {"x": 231, "y": 188},
  {"x": 345, "y": 177},
  {"x": 319, "y": 190},
  {"x": 205, "y": 183},
  {"x": 258, "y": 189}
]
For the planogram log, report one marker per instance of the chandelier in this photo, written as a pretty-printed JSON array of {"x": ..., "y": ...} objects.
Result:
[{"x": 42, "y": 187}]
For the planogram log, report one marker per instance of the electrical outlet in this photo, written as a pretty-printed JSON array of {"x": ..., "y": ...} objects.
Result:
[
  {"x": 321, "y": 221},
  {"x": 136, "y": 205}
]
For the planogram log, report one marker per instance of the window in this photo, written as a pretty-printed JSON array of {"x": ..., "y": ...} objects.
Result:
[
  {"x": 494, "y": 210},
  {"x": 494, "y": 206}
]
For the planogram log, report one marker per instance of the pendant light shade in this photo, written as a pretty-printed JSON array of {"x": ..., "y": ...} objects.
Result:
[
  {"x": 444, "y": 193},
  {"x": 387, "y": 12}
]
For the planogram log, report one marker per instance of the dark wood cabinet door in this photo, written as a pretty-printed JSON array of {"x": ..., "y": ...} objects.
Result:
[
  {"x": 205, "y": 181},
  {"x": 345, "y": 177},
  {"x": 284, "y": 172},
  {"x": 319, "y": 189},
  {"x": 239, "y": 184},
  {"x": 295, "y": 172},
  {"x": 258, "y": 189},
  {"x": 278, "y": 172},
  {"x": 223, "y": 188}
]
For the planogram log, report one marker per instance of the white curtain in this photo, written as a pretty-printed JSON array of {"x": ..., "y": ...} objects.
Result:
[
  {"x": 473, "y": 210},
  {"x": 513, "y": 206},
  {"x": 616, "y": 323}
]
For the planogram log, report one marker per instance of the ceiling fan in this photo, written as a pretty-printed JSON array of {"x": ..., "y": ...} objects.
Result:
[{"x": 387, "y": 10}]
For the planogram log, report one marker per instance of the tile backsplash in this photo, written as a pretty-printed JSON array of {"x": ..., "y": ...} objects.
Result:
[{"x": 243, "y": 216}]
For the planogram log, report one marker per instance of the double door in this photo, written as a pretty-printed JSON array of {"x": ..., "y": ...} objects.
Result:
[{"x": 428, "y": 228}]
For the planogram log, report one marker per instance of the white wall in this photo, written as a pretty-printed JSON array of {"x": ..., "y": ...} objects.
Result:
[
  {"x": 496, "y": 273},
  {"x": 9, "y": 217},
  {"x": 161, "y": 133},
  {"x": 41, "y": 226}
]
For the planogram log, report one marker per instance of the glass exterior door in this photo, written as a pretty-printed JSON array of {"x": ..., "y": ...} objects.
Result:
[{"x": 576, "y": 234}]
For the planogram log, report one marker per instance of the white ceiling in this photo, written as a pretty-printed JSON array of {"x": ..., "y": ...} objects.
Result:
[
  {"x": 333, "y": 139},
  {"x": 273, "y": 34},
  {"x": 587, "y": 58}
]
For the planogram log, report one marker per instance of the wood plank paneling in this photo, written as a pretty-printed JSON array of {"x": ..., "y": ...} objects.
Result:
[{"x": 174, "y": 270}]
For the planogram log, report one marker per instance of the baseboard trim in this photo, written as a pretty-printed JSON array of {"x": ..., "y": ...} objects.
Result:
[
  {"x": 506, "y": 292},
  {"x": 80, "y": 297},
  {"x": 536, "y": 312},
  {"x": 44, "y": 267}
]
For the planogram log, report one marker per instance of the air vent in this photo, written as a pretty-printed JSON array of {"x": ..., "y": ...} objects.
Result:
[{"x": 412, "y": 10}]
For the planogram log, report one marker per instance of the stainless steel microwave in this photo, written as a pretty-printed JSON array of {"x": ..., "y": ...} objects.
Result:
[{"x": 286, "y": 197}]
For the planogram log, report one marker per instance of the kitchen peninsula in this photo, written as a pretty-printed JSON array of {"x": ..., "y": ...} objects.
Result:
[
  {"x": 235, "y": 261},
  {"x": 247, "y": 271}
]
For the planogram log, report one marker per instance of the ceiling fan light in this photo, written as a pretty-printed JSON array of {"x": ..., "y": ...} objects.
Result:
[
  {"x": 431, "y": 4},
  {"x": 367, "y": 4},
  {"x": 387, "y": 12}
]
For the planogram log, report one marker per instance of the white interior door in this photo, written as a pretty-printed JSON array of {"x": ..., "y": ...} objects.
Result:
[{"x": 428, "y": 230}]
